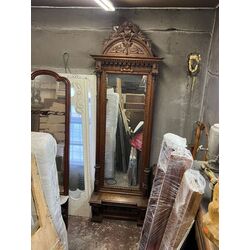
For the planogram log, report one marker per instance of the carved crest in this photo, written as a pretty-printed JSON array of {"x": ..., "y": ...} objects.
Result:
[{"x": 127, "y": 40}]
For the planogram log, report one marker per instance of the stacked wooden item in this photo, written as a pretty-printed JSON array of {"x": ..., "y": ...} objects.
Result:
[
  {"x": 184, "y": 210},
  {"x": 170, "y": 211},
  {"x": 52, "y": 120},
  {"x": 134, "y": 111},
  {"x": 134, "y": 108}
]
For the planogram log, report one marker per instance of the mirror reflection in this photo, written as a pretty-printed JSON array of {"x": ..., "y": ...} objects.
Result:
[
  {"x": 124, "y": 129},
  {"x": 48, "y": 99}
]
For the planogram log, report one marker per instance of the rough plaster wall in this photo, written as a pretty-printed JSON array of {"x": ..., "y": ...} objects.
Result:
[
  {"x": 211, "y": 103},
  {"x": 174, "y": 34}
]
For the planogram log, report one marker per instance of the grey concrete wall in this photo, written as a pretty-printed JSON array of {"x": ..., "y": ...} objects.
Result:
[
  {"x": 211, "y": 97},
  {"x": 174, "y": 34}
]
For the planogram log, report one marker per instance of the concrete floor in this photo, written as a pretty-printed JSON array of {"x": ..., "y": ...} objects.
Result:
[{"x": 108, "y": 235}]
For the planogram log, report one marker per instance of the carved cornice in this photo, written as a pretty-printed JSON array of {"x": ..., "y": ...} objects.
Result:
[
  {"x": 127, "y": 39},
  {"x": 126, "y": 64},
  {"x": 118, "y": 60}
]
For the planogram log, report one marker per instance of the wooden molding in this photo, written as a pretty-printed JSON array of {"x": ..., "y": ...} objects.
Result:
[
  {"x": 126, "y": 51},
  {"x": 128, "y": 40},
  {"x": 59, "y": 78},
  {"x": 67, "y": 122}
]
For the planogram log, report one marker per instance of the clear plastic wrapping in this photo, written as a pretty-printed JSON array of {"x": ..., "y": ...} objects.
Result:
[
  {"x": 184, "y": 210},
  {"x": 174, "y": 160}
]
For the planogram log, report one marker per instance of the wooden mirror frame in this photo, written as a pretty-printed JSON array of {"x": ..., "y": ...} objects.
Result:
[
  {"x": 127, "y": 51},
  {"x": 59, "y": 78}
]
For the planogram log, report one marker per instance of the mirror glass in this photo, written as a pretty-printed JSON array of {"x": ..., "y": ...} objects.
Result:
[
  {"x": 124, "y": 129},
  {"x": 48, "y": 98},
  {"x": 34, "y": 216}
]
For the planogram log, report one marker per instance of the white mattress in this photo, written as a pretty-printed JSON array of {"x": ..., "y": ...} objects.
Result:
[
  {"x": 111, "y": 127},
  {"x": 44, "y": 147}
]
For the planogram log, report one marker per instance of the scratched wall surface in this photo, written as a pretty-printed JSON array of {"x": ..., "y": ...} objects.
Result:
[{"x": 174, "y": 34}]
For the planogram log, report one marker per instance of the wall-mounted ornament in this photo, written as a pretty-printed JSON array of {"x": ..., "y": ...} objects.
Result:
[{"x": 194, "y": 60}]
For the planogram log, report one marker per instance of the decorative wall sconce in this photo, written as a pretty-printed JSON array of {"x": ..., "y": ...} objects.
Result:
[{"x": 193, "y": 67}]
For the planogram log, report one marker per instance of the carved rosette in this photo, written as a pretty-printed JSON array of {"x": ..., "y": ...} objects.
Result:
[{"x": 127, "y": 40}]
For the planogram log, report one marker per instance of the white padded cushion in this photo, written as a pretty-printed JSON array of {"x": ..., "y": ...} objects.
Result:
[{"x": 44, "y": 147}]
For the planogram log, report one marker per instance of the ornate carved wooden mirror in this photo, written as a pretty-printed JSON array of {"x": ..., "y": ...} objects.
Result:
[
  {"x": 126, "y": 75},
  {"x": 50, "y": 109}
]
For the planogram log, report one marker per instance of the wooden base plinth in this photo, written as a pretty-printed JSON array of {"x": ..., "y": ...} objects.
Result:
[{"x": 118, "y": 206}]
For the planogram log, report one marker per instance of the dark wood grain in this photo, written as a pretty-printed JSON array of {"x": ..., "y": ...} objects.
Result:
[{"x": 127, "y": 51}]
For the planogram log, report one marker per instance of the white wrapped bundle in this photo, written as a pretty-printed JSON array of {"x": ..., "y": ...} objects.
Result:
[
  {"x": 184, "y": 210},
  {"x": 44, "y": 147},
  {"x": 111, "y": 127},
  {"x": 174, "y": 160}
]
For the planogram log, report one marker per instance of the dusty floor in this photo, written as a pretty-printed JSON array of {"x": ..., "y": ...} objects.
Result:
[{"x": 108, "y": 235}]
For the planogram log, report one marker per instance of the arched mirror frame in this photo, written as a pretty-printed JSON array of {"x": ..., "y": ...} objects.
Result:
[
  {"x": 127, "y": 51},
  {"x": 59, "y": 78}
]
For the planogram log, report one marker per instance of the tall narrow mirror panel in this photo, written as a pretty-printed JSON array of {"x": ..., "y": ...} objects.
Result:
[
  {"x": 126, "y": 77},
  {"x": 125, "y": 94},
  {"x": 50, "y": 113}
]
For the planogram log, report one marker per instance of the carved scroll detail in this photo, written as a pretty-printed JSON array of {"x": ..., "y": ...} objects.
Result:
[
  {"x": 127, "y": 39},
  {"x": 127, "y": 68},
  {"x": 118, "y": 49},
  {"x": 136, "y": 50},
  {"x": 78, "y": 98}
]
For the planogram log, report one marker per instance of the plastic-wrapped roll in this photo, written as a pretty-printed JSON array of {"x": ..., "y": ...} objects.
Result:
[
  {"x": 173, "y": 161},
  {"x": 185, "y": 207}
]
